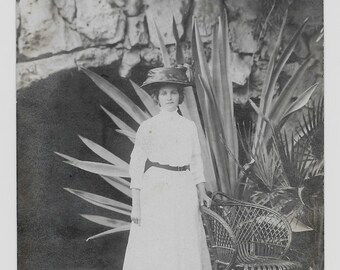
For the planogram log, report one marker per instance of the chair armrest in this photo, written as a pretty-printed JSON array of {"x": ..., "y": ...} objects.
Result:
[{"x": 223, "y": 243}]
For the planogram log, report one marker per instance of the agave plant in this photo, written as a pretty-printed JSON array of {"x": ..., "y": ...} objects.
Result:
[{"x": 213, "y": 114}]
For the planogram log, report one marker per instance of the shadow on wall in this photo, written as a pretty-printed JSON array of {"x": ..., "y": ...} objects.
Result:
[{"x": 50, "y": 115}]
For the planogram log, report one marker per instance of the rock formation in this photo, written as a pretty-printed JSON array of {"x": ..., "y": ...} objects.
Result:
[{"x": 56, "y": 35}]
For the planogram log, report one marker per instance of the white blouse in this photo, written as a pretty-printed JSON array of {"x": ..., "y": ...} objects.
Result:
[{"x": 166, "y": 138}]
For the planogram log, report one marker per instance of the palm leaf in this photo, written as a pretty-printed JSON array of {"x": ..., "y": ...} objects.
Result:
[
  {"x": 111, "y": 231},
  {"x": 122, "y": 125},
  {"x": 119, "y": 183},
  {"x": 287, "y": 53},
  {"x": 165, "y": 55},
  {"x": 103, "y": 202},
  {"x": 96, "y": 167},
  {"x": 105, "y": 221},
  {"x": 131, "y": 135},
  {"x": 283, "y": 101},
  {"x": 103, "y": 153},
  {"x": 301, "y": 101},
  {"x": 118, "y": 96}
]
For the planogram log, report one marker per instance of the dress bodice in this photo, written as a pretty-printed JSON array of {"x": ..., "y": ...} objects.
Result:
[{"x": 167, "y": 138}]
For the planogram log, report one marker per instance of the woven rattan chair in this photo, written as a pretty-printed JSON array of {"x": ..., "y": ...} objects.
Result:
[
  {"x": 263, "y": 235},
  {"x": 221, "y": 240}
]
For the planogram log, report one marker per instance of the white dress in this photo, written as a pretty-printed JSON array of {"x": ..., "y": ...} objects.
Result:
[{"x": 171, "y": 235}]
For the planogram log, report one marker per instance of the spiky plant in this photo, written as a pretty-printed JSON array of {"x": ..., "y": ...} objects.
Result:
[{"x": 217, "y": 128}]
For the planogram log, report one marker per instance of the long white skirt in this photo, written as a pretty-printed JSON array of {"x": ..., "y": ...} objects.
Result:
[{"x": 171, "y": 235}]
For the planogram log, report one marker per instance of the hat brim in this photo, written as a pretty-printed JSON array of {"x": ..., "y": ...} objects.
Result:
[{"x": 150, "y": 85}]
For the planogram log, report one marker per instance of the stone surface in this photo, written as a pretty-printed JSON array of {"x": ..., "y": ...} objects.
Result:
[
  {"x": 245, "y": 43},
  {"x": 28, "y": 72},
  {"x": 247, "y": 9},
  {"x": 162, "y": 11},
  {"x": 17, "y": 17},
  {"x": 137, "y": 31},
  {"x": 313, "y": 9},
  {"x": 133, "y": 7},
  {"x": 67, "y": 9},
  {"x": 206, "y": 13},
  {"x": 43, "y": 30},
  {"x": 130, "y": 60},
  {"x": 151, "y": 57},
  {"x": 100, "y": 22},
  {"x": 240, "y": 68}
]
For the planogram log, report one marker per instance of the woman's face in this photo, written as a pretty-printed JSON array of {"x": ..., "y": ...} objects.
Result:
[{"x": 168, "y": 97}]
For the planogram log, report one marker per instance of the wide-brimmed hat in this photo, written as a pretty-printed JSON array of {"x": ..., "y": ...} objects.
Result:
[{"x": 176, "y": 75}]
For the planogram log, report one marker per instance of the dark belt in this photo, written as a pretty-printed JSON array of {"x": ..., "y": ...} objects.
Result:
[{"x": 150, "y": 163}]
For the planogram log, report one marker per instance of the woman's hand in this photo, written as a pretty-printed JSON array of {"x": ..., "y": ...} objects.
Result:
[
  {"x": 205, "y": 200},
  {"x": 136, "y": 215},
  {"x": 203, "y": 197}
]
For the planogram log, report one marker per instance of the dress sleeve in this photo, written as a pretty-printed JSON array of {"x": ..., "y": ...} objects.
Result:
[
  {"x": 138, "y": 157},
  {"x": 196, "y": 164}
]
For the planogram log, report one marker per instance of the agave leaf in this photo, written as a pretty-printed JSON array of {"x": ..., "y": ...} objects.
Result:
[
  {"x": 111, "y": 231},
  {"x": 201, "y": 65},
  {"x": 117, "y": 121},
  {"x": 271, "y": 76},
  {"x": 179, "y": 51},
  {"x": 268, "y": 89},
  {"x": 105, "y": 221},
  {"x": 119, "y": 183},
  {"x": 226, "y": 108},
  {"x": 102, "y": 201},
  {"x": 118, "y": 96},
  {"x": 96, "y": 167},
  {"x": 287, "y": 53},
  {"x": 165, "y": 55},
  {"x": 214, "y": 131},
  {"x": 146, "y": 99},
  {"x": 103, "y": 153},
  {"x": 258, "y": 111},
  {"x": 301, "y": 101},
  {"x": 283, "y": 101},
  {"x": 71, "y": 159},
  {"x": 296, "y": 225},
  {"x": 130, "y": 135},
  {"x": 191, "y": 111}
]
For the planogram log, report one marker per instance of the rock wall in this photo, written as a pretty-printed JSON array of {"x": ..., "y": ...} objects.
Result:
[{"x": 56, "y": 35}]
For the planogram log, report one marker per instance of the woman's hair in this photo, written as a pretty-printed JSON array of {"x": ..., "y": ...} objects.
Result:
[{"x": 154, "y": 93}]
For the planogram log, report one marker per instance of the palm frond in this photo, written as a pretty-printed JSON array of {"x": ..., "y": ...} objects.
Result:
[
  {"x": 119, "y": 183},
  {"x": 105, "y": 221},
  {"x": 96, "y": 167},
  {"x": 103, "y": 153},
  {"x": 146, "y": 99},
  {"x": 111, "y": 231},
  {"x": 118, "y": 96},
  {"x": 103, "y": 202}
]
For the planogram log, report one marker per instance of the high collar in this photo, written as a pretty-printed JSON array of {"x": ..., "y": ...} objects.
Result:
[{"x": 168, "y": 115}]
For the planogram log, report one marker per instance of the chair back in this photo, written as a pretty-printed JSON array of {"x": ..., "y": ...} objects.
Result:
[{"x": 260, "y": 231}]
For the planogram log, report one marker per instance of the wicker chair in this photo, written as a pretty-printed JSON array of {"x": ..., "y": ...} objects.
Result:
[
  {"x": 221, "y": 240},
  {"x": 263, "y": 235}
]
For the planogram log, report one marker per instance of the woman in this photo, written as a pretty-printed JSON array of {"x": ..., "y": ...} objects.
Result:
[{"x": 167, "y": 184}]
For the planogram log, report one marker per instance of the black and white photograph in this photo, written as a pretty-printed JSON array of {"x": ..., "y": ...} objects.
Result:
[{"x": 170, "y": 134}]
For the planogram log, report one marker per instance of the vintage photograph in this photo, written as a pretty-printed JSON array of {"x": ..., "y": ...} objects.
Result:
[{"x": 170, "y": 134}]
